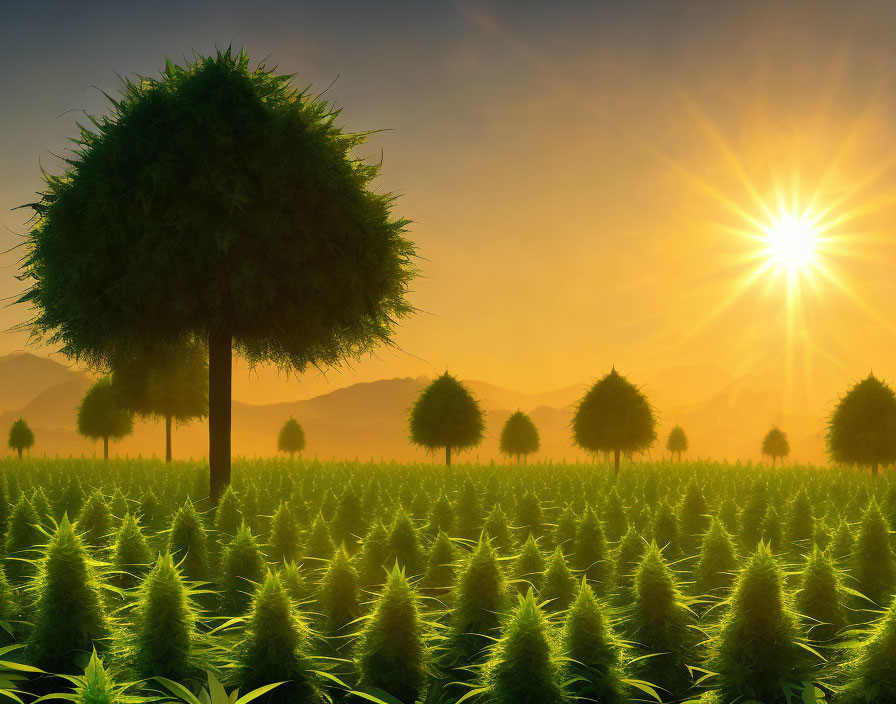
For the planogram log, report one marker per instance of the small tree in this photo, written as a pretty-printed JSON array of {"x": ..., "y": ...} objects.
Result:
[
  {"x": 217, "y": 201},
  {"x": 677, "y": 442},
  {"x": 614, "y": 416},
  {"x": 20, "y": 437},
  {"x": 862, "y": 428},
  {"x": 291, "y": 438},
  {"x": 446, "y": 415},
  {"x": 519, "y": 436},
  {"x": 100, "y": 416},
  {"x": 775, "y": 444},
  {"x": 170, "y": 383}
]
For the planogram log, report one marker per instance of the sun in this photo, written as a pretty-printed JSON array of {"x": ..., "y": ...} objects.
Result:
[{"x": 792, "y": 241}]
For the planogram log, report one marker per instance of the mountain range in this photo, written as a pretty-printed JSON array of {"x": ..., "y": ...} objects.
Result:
[{"x": 724, "y": 416}]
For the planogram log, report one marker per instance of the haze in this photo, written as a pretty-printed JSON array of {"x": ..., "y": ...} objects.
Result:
[{"x": 573, "y": 178}]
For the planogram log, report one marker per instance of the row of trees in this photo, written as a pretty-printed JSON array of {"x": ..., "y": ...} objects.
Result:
[{"x": 615, "y": 417}]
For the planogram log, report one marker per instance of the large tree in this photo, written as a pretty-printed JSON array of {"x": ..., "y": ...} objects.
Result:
[
  {"x": 170, "y": 383},
  {"x": 862, "y": 428},
  {"x": 100, "y": 415},
  {"x": 446, "y": 415},
  {"x": 519, "y": 437},
  {"x": 218, "y": 202},
  {"x": 677, "y": 442},
  {"x": 775, "y": 444},
  {"x": 20, "y": 437},
  {"x": 291, "y": 438},
  {"x": 614, "y": 416}
]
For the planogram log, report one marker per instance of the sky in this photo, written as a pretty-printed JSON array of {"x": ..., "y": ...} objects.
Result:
[{"x": 586, "y": 184}]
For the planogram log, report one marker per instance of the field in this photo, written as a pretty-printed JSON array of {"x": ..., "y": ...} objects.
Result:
[{"x": 502, "y": 583}]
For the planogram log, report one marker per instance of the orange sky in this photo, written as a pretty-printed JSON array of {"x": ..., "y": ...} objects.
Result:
[{"x": 573, "y": 181}]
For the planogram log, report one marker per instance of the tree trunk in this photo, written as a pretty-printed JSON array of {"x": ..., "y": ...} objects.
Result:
[
  {"x": 615, "y": 464},
  {"x": 517, "y": 457},
  {"x": 874, "y": 469},
  {"x": 105, "y": 447},
  {"x": 447, "y": 455},
  {"x": 167, "y": 438},
  {"x": 20, "y": 452},
  {"x": 774, "y": 459},
  {"x": 220, "y": 358}
]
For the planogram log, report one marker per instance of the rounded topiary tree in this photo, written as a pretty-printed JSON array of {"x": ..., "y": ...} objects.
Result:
[
  {"x": 519, "y": 437},
  {"x": 100, "y": 416},
  {"x": 20, "y": 437},
  {"x": 677, "y": 442},
  {"x": 862, "y": 428},
  {"x": 291, "y": 438},
  {"x": 775, "y": 444},
  {"x": 171, "y": 383},
  {"x": 614, "y": 416},
  {"x": 446, "y": 415},
  {"x": 218, "y": 202}
]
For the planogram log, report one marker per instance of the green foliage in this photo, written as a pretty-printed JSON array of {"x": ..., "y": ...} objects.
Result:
[
  {"x": 659, "y": 623},
  {"x": 441, "y": 568},
  {"x": 594, "y": 668},
  {"x": 481, "y": 596},
  {"x": 717, "y": 563},
  {"x": 497, "y": 529},
  {"x": 800, "y": 531},
  {"x": 862, "y": 428},
  {"x": 524, "y": 665},
  {"x": 628, "y": 557},
  {"x": 558, "y": 585},
  {"x": 818, "y": 599},
  {"x": 404, "y": 544},
  {"x": 757, "y": 655},
  {"x": 243, "y": 568},
  {"x": 164, "y": 639},
  {"x": 284, "y": 538},
  {"x": 614, "y": 416},
  {"x": 446, "y": 415},
  {"x": 873, "y": 565},
  {"x": 528, "y": 568},
  {"x": 871, "y": 674},
  {"x": 95, "y": 520},
  {"x": 589, "y": 554},
  {"x": 275, "y": 649},
  {"x": 391, "y": 653},
  {"x": 519, "y": 437},
  {"x": 131, "y": 556},
  {"x": 291, "y": 438},
  {"x": 22, "y": 536},
  {"x": 319, "y": 544},
  {"x": 100, "y": 416},
  {"x": 69, "y": 616},
  {"x": 188, "y": 543},
  {"x": 775, "y": 444},
  {"x": 677, "y": 441},
  {"x": 20, "y": 437},
  {"x": 693, "y": 516},
  {"x": 373, "y": 556},
  {"x": 339, "y": 596},
  {"x": 228, "y": 516},
  {"x": 529, "y": 514},
  {"x": 96, "y": 686}
]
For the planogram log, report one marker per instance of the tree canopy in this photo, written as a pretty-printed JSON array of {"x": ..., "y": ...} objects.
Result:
[
  {"x": 677, "y": 442},
  {"x": 519, "y": 437},
  {"x": 291, "y": 438},
  {"x": 169, "y": 383},
  {"x": 20, "y": 437},
  {"x": 219, "y": 202},
  {"x": 447, "y": 415},
  {"x": 862, "y": 427},
  {"x": 100, "y": 416},
  {"x": 614, "y": 416},
  {"x": 775, "y": 444}
]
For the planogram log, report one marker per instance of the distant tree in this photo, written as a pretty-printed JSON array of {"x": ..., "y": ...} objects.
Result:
[
  {"x": 862, "y": 428},
  {"x": 677, "y": 442},
  {"x": 20, "y": 437},
  {"x": 775, "y": 444},
  {"x": 446, "y": 415},
  {"x": 171, "y": 383},
  {"x": 217, "y": 201},
  {"x": 291, "y": 438},
  {"x": 100, "y": 416},
  {"x": 519, "y": 436},
  {"x": 614, "y": 416}
]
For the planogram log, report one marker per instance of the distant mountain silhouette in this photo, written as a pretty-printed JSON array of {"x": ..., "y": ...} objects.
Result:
[{"x": 724, "y": 417}]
